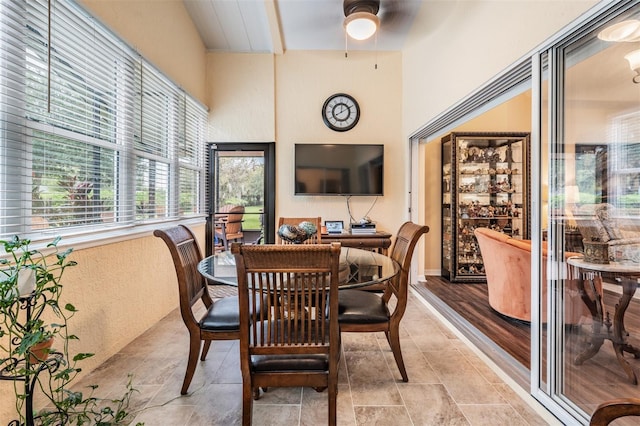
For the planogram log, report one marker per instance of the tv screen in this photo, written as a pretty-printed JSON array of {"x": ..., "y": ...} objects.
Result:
[{"x": 338, "y": 169}]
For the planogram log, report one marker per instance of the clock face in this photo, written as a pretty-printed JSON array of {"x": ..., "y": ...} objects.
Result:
[{"x": 340, "y": 112}]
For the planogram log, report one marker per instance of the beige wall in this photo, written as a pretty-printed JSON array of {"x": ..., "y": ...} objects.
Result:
[
  {"x": 457, "y": 46},
  {"x": 304, "y": 80},
  {"x": 164, "y": 34},
  {"x": 279, "y": 98},
  {"x": 454, "y": 48},
  {"x": 120, "y": 290},
  {"x": 241, "y": 97}
]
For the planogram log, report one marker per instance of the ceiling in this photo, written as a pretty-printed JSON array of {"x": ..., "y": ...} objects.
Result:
[{"x": 275, "y": 26}]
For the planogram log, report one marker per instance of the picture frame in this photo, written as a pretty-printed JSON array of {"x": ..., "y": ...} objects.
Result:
[{"x": 334, "y": 226}]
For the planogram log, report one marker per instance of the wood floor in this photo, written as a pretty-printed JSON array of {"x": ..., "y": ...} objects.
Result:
[{"x": 596, "y": 380}]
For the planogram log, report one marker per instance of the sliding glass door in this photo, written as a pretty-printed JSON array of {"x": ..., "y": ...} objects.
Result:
[{"x": 589, "y": 266}]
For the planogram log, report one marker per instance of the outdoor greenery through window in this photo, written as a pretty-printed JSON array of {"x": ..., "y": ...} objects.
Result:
[{"x": 92, "y": 135}]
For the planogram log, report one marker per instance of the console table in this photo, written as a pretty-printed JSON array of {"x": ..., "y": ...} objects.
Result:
[{"x": 380, "y": 241}]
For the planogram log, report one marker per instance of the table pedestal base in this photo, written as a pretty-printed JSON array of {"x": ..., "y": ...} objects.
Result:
[{"x": 602, "y": 325}]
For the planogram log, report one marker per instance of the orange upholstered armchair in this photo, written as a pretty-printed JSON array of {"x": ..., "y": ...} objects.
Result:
[{"x": 507, "y": 264}]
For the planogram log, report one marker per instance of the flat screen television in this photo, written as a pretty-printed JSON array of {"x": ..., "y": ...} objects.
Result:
[{"x": 339, "y": 169}]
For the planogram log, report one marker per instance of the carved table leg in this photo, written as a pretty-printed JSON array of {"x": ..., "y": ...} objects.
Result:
[
  {"x": 619, "y": 340},
  {"x": 595, "y": 307}
]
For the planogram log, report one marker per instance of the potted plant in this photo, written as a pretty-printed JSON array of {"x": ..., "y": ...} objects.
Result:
[{"x": 34, "y": 341}]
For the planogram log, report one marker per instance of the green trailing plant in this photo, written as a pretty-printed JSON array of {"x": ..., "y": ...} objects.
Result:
[{"x": 37, "y": 316}]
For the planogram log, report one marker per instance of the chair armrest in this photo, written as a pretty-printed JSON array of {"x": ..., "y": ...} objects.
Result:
[{"x": 613, "y": 409}]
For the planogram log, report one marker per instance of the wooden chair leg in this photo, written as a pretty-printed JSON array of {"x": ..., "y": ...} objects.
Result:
[
  {"x": 393, "y": 337},
  {"x": 333, "y": 396},
  {"x": 194, "y": 351},
  {"x": 205, "y": 350},
  {"x": 247, "y": 402}
]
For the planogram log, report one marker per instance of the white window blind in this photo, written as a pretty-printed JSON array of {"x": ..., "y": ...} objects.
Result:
[{"x": 92, "y": 135}]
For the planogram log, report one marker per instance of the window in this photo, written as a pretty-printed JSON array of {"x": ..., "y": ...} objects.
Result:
[{"x": 92, "y": 135}]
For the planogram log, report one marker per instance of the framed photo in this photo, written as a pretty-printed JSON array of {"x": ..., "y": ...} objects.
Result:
[{"x": 334, "y": 226}]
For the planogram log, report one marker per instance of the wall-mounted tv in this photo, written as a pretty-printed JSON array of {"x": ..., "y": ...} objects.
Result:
[{"x": 339, "y": 169}]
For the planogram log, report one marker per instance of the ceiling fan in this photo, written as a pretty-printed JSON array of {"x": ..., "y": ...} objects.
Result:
[
  {"x": 364, "y": 17},
  {"x": 361, "y": 20}
]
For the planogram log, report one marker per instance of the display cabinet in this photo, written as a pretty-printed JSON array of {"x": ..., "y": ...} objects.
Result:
[{"x": 484, "y": 184}]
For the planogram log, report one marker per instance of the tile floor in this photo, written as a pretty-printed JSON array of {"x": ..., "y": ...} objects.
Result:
[{"x": 448, "y": 383}]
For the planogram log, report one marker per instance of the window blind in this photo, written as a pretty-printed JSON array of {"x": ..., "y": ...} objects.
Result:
[{"x": 93, "y": 136}]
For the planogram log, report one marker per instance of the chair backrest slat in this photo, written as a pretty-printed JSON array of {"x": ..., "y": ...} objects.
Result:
[
  {"x": 402, "y": 251},
  {"x": 301, "y": 282},
  {"x": 186, "y": 255}
]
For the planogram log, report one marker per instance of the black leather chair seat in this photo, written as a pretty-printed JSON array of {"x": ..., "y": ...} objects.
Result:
[
  {"x": 286, "y": 363},
  {"x": 362, "y": 307},
  {"x": 223, "y": 315}
]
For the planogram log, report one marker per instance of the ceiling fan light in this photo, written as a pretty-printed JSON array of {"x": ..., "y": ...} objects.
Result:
[
  {"x": 622, "y": 31},
  {"x": 634, "y": 64},
  {"x": 361, "y": 25}
]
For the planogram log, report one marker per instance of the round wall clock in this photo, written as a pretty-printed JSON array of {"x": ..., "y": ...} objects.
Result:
[{"x": 340, "y": 112}]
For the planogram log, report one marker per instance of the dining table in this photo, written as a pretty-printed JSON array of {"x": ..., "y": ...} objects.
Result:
[{"x": 357, "y": 268}]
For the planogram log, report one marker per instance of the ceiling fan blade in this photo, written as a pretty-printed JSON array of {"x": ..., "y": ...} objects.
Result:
[
  {"x": 353, "y": 6},
  {"x": 396, "y": 14}
]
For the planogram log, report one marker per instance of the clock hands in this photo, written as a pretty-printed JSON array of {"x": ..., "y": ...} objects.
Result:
[{"x": 340, "y": 112}]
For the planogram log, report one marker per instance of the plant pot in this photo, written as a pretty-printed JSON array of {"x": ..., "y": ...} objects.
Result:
[{"x": 40, "y": 351}]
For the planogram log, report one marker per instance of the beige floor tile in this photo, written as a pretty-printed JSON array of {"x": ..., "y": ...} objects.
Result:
[
  {"x": 491, "y": 415},
  {"x": 218, "y": 404},
  {"x": 276, "y": 415},
  {"x": 280, "y": 396},
  {"x": 442, "y": 371},
  {"x": 396, "y": 416},
  {"x": 431, "y": 404},
  {"x": 175, "y": 415},
  {"x": 522, "y": 408},
  {"x": 418, "y": 368}
]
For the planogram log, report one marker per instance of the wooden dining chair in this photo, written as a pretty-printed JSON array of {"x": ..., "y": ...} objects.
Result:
[
  {"x": 363, "y": 311},
  {"x": 221, "y": 321},
  {"x": 295, "y": 340},
  {"x": 611, "y": 410},
  {"x": 317, "y": 221}
]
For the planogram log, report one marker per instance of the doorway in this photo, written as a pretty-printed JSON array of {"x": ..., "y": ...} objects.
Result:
[{"x": 242, "y": 174}]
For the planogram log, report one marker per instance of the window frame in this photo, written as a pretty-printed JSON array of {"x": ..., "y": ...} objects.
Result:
[{"x": 180, "y": 142}]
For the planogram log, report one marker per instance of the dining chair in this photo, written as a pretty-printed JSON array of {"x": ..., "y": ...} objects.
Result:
[
  {"x": 221, "y": 321},
  {"x": 317, "y": 221},
  {"x": 611, "y": 410},
  {"x": 364, "y": 311},
  {"x": 294, "y": 340},
  {"x": 228, "y": 225}
]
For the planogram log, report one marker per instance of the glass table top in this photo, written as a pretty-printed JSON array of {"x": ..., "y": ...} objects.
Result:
[{"x": 358, "y": 268}]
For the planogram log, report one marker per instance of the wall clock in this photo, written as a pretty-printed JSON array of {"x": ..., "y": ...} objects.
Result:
[{"x": 340, "y": 112}]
